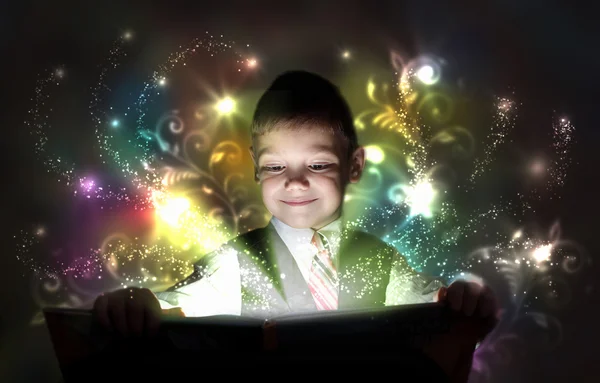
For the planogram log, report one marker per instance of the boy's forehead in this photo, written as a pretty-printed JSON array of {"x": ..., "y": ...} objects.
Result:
[{"x": 309, "y": 141}]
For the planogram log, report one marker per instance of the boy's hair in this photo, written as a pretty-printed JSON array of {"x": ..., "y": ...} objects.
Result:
[{"x": 299, "y": 100}]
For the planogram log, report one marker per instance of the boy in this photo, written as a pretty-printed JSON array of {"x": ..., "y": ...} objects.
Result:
[{"x": 305, "y": 153}]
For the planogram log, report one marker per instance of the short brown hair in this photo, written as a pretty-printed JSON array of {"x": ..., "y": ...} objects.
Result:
[{"x": 300, "y": 99}]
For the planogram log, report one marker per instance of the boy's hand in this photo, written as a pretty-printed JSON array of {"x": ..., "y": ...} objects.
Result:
[
  {"x": 471, "y": 300},
  {"x": 453, "y": 351},
  {"x": 131, "y": 311}
]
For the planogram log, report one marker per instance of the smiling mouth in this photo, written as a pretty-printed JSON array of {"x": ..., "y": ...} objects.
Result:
[{"x": 299, "y": 203}]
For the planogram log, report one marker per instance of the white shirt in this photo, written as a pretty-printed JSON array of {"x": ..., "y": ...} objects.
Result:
[
  {"x": 220, "y": 293},
  {"x": 298, "y": 242}
]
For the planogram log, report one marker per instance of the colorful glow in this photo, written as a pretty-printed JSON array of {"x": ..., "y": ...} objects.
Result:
[
  {"x": 180, "y": 180},
  {"x": 171, "y": 210}
]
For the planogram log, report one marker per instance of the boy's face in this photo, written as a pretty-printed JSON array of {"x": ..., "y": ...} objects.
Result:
[{"x": 303, "y": 175}]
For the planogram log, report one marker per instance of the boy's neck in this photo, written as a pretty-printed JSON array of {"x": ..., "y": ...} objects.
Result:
[
  {"x": 316, "y": 228},
  {"x": 324, "y": 225}
]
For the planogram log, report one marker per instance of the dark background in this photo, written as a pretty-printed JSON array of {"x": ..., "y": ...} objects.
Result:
[{"x": 547, "y": 49}]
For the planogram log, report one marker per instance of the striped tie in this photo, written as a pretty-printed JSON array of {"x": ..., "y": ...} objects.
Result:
[{"x": 323, "y": 282}]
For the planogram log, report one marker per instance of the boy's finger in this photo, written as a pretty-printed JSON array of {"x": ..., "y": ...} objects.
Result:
[
  {"x": 135, "y": 316},
  {"x": 441, "y": 294},
  {"x": 455, "y": 295},
  {"x": 178, "y": 312},
  {"x": 471, "y": 296},
  {"x": 151, "y": 320},
  {"x": 488, "y": 304},
  {"x": 117, "y": 312},
  {"x": 175, "y": 312},
  {"x": 101, "y": 311}
]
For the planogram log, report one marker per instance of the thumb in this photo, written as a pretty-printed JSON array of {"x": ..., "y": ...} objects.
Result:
[
  {"x": 175, "y": 311},
  {"x": 441, "y": 294}
]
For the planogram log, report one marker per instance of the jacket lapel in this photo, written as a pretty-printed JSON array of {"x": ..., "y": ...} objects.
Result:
[
  {"x": 364, "y": 268},
  {"x": 264, "y": 259}
]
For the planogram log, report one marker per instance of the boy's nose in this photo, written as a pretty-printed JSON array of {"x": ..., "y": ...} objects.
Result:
[{"x": 297, "y": 182}]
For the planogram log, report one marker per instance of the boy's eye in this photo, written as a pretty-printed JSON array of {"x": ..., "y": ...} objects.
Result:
[
  {"x": 277, "y": 168},
  {"x": 319, "y": 166}
]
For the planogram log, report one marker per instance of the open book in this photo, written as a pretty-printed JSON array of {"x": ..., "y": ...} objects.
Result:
[
  {"x": 229, "y": 332},
  {"x": 354, "y": 333}
]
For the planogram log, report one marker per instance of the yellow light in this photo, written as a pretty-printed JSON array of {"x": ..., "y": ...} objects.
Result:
[
  {"x": 374, "y": 154},
  {"x": 252, "y": 63},
  {"x": 173, "y": 209},
  {"x": 346, "y": 55},
  {"x": 226, "y": 105}
]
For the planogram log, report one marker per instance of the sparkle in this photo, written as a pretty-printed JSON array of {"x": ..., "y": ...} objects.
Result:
[
  {"x": 420, "y": 198},
  {"x": 538, "y": 167},
  {"x": 252, "y": 63},
  {"x": 426, "y": 74},
  {"x": 225, "y": 106},
  {"x": 504, "y": 121},
  {"x": 542, "y": 253},
  {"x": 172, "y": 210},
  {"x": 374, "y": 154}
]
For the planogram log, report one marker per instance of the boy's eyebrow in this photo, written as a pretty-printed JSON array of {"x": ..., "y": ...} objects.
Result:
[
  {"x": 315, "y": 149},
  {"x": 264, "y": 151}
]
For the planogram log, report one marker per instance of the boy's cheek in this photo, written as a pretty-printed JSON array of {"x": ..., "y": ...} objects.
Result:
[{"x": 332, "y": 181}]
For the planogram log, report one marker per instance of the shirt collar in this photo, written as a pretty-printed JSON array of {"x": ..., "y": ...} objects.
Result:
[
  {"x": 332, "y": 229},
  {"x": 298, "y": 242},
  {"x": 294, "y": 237}
]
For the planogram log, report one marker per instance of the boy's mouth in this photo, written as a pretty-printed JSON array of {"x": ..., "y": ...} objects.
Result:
[{"x": 300, "y": 202}]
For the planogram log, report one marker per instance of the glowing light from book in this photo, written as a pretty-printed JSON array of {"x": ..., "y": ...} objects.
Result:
[{"x": 172, "y": 210}]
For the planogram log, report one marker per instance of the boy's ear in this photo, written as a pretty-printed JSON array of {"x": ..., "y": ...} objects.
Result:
[
  {"x": 256, "y": 178},
  {"x": 357, "y": 164}
]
